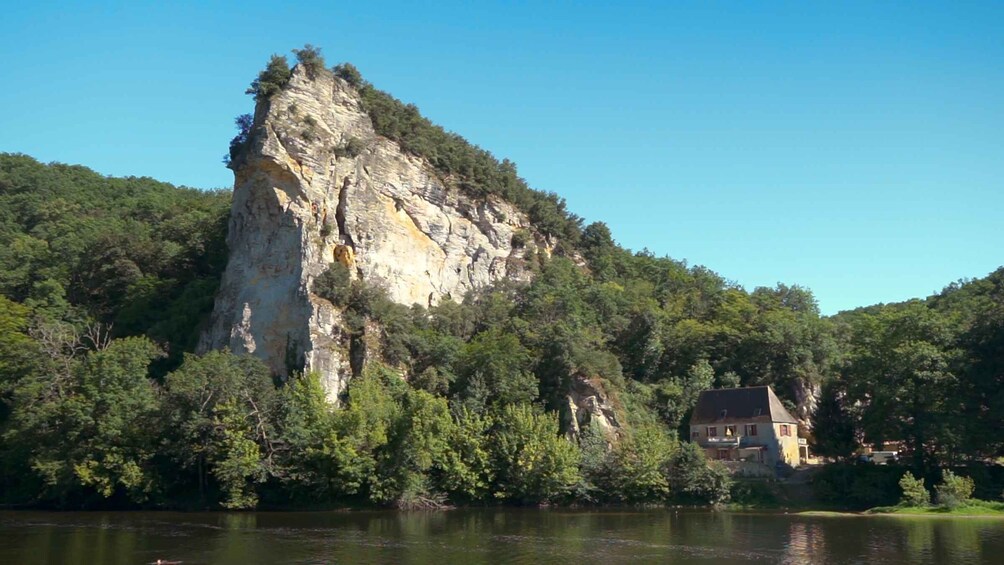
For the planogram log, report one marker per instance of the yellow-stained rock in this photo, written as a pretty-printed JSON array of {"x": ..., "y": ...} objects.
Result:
[{"x": 343, "y": 254}]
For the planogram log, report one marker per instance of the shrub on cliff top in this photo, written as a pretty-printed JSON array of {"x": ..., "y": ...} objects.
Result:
[
  {"x": 349, "y": 73},
  {"x": 311, "y": 59},
  {"x": 270, "y": 80}
]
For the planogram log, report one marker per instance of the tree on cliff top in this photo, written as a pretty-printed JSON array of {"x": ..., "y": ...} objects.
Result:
[
  {"x": 311, "y": 59},
  {"x": 270, "y": 80}
]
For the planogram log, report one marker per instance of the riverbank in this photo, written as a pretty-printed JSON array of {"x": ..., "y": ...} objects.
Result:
[{"x": 972, "y": 509}]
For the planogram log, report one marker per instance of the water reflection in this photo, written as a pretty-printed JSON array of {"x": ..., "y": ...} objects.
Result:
[
  {"x": 490, "y": 536},
  {"x": 919, "y": 539},
  {"x": 806, "y": 543}
]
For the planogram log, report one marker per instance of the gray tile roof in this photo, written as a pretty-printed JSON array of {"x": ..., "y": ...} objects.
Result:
[{"x": 749, "y": 404}]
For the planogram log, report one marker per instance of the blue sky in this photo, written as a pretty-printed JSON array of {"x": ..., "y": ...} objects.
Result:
[{"x": 853, "y": 148}]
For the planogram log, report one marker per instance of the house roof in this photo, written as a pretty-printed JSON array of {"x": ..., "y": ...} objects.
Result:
[{"x": 749, "y": 404}]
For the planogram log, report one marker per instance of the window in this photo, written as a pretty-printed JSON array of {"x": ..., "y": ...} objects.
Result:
[
  {"x": 695, "y": 434},
  {"x": 751, "y": 429},
  {"x": 785, "y": 430},
  {"x": 712, "y": 432},
  {"x": 723, "y": 454},
  {"x": 730, "y": 431}
]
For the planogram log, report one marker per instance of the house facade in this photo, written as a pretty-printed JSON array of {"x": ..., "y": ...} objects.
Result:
[{"x": 746, "y": 424}]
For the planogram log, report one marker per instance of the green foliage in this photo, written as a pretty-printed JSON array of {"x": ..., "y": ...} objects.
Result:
[
  {"x": 493, "y": 370},
  {"x": 899, "y": 372},
  {"x": 693, "y": 479},
  {"x": 335, "y": 285},
  {"x": 271, "y": 80},
  {"x": 468, "y": 469},
  {"x": 88, "y": 433},
  {"x": 753, "y": 493},
  {"x": 306, "y": 421},
  {"x": 311, "y": 59},
  {"x": 351, "y": 147},
  {"x": 520, "y": 238},
  {"x": 222, "y": 411},
  {"x": 638, "y": 467},
  {"x": 18, "y": 352},
  {"x": 533, "y": 464},
  {"x": 832, "y": 425},
  {"x": 420, "y": 446},
  {"x": 364, "y": 302},
  {"x": 914, "y": 493},
  {"x": 349, "y": 73},
  {"x": 857, "y": 486},
  {"x": 954, "y": 490},
  {"x": 142, "y": 256},
  {"x": 238, "y": 144}
]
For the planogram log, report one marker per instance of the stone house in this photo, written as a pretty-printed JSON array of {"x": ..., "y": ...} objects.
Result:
[{"x": 747, "y": 424}]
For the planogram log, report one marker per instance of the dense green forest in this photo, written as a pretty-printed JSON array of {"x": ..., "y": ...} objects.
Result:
[{"x": 106, "y": 283}]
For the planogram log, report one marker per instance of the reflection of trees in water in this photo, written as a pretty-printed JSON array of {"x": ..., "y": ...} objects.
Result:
[
  {"x": 238, "y": 539},
  {"x": 235, "y": 522},
  {"x": 943, "y": 541},
  {"x": 489, "y": 536},
  {"x": 959, "y": 540},
  {"x": 919, "y": 537}
]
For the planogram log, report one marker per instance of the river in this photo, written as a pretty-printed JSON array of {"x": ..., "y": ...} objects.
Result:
[{"x": 474, "y": 536}]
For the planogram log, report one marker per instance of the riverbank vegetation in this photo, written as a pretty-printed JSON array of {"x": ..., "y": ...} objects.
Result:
[
  {"x": 953, "y": 497},
  {"x": 106, "y": 284}
]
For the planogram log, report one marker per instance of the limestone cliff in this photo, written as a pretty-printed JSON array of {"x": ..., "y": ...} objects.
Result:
[
  {"x": 588, "y": 404},
  {"x": 316, "y": 184}
]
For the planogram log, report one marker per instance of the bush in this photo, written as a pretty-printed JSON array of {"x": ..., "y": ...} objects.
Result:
[
  {"x": 244, "y": 122},
  {"x": 311, "y": 59},
  {"x": 914, "y": 493},
  {"x": 334, "y": 284},
  {"x": 520, "y": 238},
  {"x": 954, "y": 490},
  {"x": 637, "y": 466},
  {"x": 271, "y": 80},
  {"x": 352, "y": 147},
  {"x": 534, "y": 464},
  {"x": 693, "y": 479},
  {"x": 349, "y": 73},
  {"x": 753, "y": 493}
]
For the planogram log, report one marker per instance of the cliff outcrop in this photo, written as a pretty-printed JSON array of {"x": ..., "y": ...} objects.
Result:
[{"x": 315, "y": 184}]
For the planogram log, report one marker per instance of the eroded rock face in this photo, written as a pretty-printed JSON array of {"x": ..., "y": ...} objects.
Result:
[
  {"x": 588, "y": 404},
  {"x": 806, "y": 399},
  {"x": 318, "y": 185}
]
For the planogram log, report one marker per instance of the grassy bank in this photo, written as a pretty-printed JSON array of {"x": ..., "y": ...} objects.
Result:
[{"x": 971, "y": 509}]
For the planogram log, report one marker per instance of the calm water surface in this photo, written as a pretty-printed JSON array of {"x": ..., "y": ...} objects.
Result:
[{"x": 491, "y": 536}]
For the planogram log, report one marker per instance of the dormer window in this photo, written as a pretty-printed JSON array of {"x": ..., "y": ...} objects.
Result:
[
  {"x": 758, "y": 412},
  {"x": 723, "y": 414}
]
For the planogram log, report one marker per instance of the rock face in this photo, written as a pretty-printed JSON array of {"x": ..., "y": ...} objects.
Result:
[
  {"x": 806, "y": 398},
  {"x": 315, "y": 185},
  {"x": 588, "y": 404}
]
